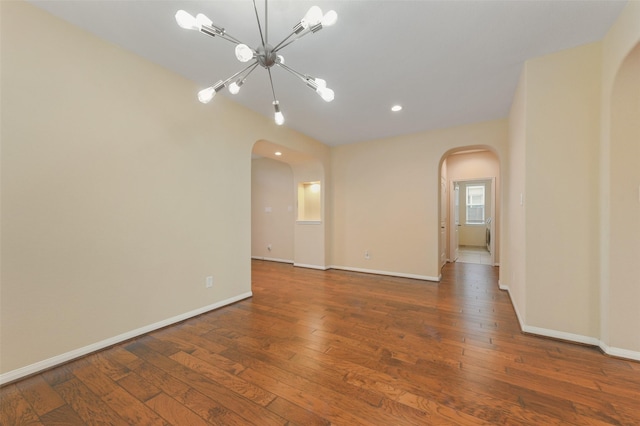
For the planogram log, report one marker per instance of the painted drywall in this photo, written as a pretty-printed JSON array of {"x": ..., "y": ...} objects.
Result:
[
  {"x": 624, "y": 192},
  {"x": 384, "y": 194},
  {"x": 619, "y": 187},
  {"x": 562, "y": 113},
  {"x": 311, "y": 245},
  {"x": 311, "y": 240},
  {"x": 272, "y": 210},
  {"x": 513, "y": 260},
  {"x": 120, "y": 192},
  {"x": 574, "y": 145}
]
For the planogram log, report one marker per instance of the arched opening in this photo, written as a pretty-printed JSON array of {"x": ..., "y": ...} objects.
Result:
[
  {"x": 287, "y": 206},
  {"x": 469, "y": 204}
]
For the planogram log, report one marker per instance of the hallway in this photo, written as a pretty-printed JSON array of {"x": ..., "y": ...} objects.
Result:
[{"x": 472, "y": 254}]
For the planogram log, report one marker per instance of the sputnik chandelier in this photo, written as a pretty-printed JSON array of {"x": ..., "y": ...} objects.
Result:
[{"x": 264, "y": 55}]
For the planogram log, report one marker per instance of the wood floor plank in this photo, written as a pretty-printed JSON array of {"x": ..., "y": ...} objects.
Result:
[
  {"x": 334, "y": 347},
  {"x": 140, "y": 388},
  {"x": 296, "y": 414},
  {"x": 87, "y": 405},
  {"x": 174, "y": 412},
  {"x": 253, "y": 413},
  {"x": 62, "y": 416},
  {"x": 229, "y": 381},
  {"x": 40, "y": 395},
  {"x": 15, "y": 409}
]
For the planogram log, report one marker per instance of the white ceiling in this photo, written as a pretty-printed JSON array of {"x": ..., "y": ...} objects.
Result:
[{"x": 447, "y": 62}]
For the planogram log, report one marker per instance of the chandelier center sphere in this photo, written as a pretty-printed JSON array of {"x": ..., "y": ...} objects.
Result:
[{"x": 266, "y": 56}]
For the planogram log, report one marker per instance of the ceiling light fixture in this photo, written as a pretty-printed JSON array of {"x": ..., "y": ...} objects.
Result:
[
  {"x": 396, "y": 108},
  {"x": 264, "y": 55}
]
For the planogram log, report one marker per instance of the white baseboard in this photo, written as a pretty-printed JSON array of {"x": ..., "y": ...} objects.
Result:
[
  {"x": 571, "y": 337},
  {"x": 37, "y": 367},
  {"x": 392, "y": 274},
  {"x": 515, "y": 307},
  {"x": 272, "y": 259},
  {"x": 620, "y": 353},
  {"x": 303, "y": 265},
  {"x": 562, "y": 335}
]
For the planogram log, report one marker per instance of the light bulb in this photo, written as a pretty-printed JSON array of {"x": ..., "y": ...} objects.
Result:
[
  {"x": 244, "y": 53},
  {"x": 321, "y": 83},
  {"x": 312, "y": 17},
  {"x": 279, "y": 118},
  {"x": 186, "y": 20},
  {"x": 205, "y": 95},
  {"x": 234, "y": 87},
  {"x": 329, "y": 18},
  {"x": 326, "y": 93},
  {"x": 280, "y": 59},
  {"x": 201, "y": 19}
]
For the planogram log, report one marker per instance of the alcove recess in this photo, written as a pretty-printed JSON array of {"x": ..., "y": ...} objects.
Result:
[{"x": 309, "y": 202}]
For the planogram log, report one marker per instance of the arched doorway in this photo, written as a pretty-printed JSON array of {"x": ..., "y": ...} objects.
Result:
[{"x": 281, "y": 230}]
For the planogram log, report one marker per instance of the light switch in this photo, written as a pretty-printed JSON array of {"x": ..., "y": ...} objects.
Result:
[{"x": 267, "y": 209}]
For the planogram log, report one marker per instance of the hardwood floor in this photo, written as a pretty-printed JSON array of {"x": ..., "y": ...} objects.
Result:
[{"x": 332, "y": 347}]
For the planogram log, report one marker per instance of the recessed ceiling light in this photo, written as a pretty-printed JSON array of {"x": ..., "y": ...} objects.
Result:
[
  {"x": 396, "y": 108},
  {"x": 278, "y": 153}
]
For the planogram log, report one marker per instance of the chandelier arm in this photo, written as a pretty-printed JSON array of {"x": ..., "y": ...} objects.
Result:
[
  {"x": 295, "y": 39},
  {"x": 251, "y": 70},
  {"x": 278, "y": 46},
  {"x": 254, "y": 64},
  {"x": 218, "y": 32},
  {"x": 275, "y": 49},
  {"x": 272, "y": 89},
  {"x": 292, "y": 71},
  {"x": 259, "y": 26},
  {"x": 232, "y": 39}
]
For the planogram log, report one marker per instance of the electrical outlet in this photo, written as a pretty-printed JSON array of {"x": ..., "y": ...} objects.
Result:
[
  {"x": 209, "y": 282},
  {"x": 269, "y": 247},
  {"x": 367, "y": 255}
]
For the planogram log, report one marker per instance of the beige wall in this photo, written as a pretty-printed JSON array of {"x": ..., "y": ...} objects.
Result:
[
  {"x": 120, "y": 192},
  {"x": 562, "y": 113},
  {"x": 384, "y": 194},
  {"x": 572, "y": 270},
  {"x": 513, "y": 262},
  {"x": 311, "y": 240},
  {"x": 272, "y": 210},
  {"x": 624, "y": 192},
  {"x": 620, "y": 186}
]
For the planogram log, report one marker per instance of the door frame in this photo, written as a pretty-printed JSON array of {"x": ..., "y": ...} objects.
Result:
[{"x": 453, "y": 251}]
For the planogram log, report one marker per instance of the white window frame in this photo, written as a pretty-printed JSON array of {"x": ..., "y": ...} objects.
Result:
[{"x": 472, "y": 203}]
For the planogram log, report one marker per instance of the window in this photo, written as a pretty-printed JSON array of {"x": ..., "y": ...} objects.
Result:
[{"x": 475, "y": 204}]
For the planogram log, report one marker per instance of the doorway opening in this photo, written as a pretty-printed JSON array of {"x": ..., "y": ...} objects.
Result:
[
  {"x": 472, "y": 213},
  {"x": 470, "y": 208}
]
